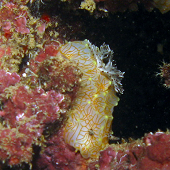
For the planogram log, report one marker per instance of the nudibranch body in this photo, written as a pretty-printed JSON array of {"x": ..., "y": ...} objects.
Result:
[{"x": 90, "y": 118}]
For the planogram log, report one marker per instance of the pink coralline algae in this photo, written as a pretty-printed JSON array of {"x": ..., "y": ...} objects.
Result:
[
  {"x": 53, "y": 72},
  {"x": 34, "y": 100},
  {"x": 25, "y": 114},
  {"x": 153, "y": 152},
  {"x": 15, "y": 147},
  {"x": 35, "y": 97},
  {"x": 14, "y": 17},
  {"x": 36, "y": 105},
  {"x": 58, "y": 155},
  {"x": 21, "y": 34},
  {"x": 8, "y": 79},
  {"x": 21, "y": 25}
]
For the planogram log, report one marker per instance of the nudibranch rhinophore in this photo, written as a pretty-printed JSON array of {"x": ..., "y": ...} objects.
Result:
[{"x": 88, "y": 126}]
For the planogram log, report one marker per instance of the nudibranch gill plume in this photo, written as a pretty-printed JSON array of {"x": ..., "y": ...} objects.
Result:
[{"x": 90, "y": 118}]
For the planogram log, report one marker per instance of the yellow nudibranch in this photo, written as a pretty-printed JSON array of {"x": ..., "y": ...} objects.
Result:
[{"x": 88, "y": 126}]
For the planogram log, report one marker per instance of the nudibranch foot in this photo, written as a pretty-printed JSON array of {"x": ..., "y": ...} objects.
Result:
[{"x": 89, "y": 120}]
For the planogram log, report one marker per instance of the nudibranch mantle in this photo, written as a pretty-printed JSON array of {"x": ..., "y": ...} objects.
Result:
[{"x": 90, "y": 118}]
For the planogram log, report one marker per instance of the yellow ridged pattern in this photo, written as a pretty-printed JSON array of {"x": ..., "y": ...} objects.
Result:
[{"x": 90, "y": 118}]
